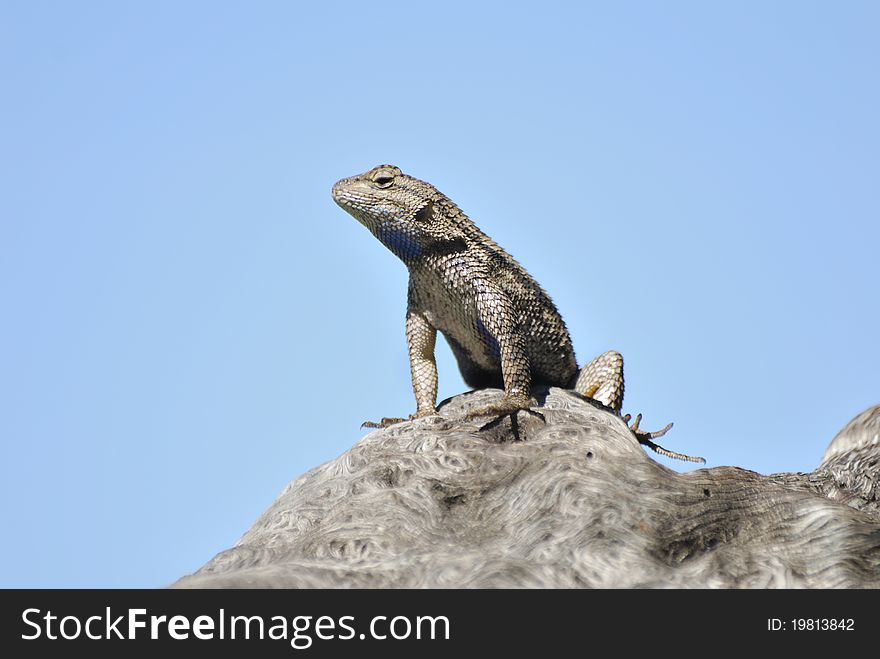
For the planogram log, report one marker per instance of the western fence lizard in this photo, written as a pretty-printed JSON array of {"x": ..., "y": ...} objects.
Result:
[{"x": 503, "y": 328}]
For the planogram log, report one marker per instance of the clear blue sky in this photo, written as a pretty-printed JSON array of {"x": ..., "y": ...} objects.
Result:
[{"x": 189, "y": 321}]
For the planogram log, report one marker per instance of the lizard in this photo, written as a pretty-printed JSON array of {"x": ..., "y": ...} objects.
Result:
[{"x": 502, "y": 327}]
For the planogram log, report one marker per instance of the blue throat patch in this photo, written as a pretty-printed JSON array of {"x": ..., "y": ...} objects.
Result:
[{"x": 399, "y": 240}]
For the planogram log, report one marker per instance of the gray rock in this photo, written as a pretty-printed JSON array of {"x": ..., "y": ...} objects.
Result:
[{"x": 576, "y": 503}]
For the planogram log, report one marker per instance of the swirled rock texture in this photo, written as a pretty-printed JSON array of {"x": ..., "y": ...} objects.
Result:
[{"x": 575, "y": 502}]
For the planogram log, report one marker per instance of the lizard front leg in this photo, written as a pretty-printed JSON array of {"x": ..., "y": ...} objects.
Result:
[{"x": 421, "y": 338}]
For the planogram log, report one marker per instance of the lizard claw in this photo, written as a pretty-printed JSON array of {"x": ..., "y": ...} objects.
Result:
[
  {"x": 386, "y": 422},
  {"x": 390, "y": 421},
  {"x": 645, "y": 438},
  {"x": 508, "y": 406},
  {"x": 498, "y": 419},
  {"x": 641, "y": 433}
]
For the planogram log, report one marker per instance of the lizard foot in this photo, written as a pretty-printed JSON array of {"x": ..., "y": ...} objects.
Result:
[
  {"x": 645, "y": 438},
  {"x": 642, "y": 433},
  {"x": 386, "y": 422},
  {"x": 508, "y": 406},
  {"x": 390, "y": 421}
]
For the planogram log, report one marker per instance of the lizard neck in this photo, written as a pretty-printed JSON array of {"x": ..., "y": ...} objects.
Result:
[{"x": 415, "y": 247}]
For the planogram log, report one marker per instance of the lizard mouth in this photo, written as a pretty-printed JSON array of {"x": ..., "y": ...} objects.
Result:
[
  {"x": 338, "y": 194},
  {"x": 345, "y": 201}
]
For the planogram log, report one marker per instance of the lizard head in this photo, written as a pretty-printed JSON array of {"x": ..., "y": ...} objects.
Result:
[{"x": 398, "y": 209}]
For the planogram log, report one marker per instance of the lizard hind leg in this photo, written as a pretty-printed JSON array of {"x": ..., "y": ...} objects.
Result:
[{"x": 602, "y": 380}]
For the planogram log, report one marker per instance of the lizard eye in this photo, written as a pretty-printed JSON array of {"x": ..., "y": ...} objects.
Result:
[{"x": 383, "y": 179}]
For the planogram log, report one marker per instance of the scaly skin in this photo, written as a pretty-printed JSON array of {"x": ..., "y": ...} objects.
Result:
[{"x": 503, "y": 328}]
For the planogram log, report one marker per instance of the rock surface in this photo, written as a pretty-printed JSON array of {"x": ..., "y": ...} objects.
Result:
[{"x": 576, "y": 503}]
